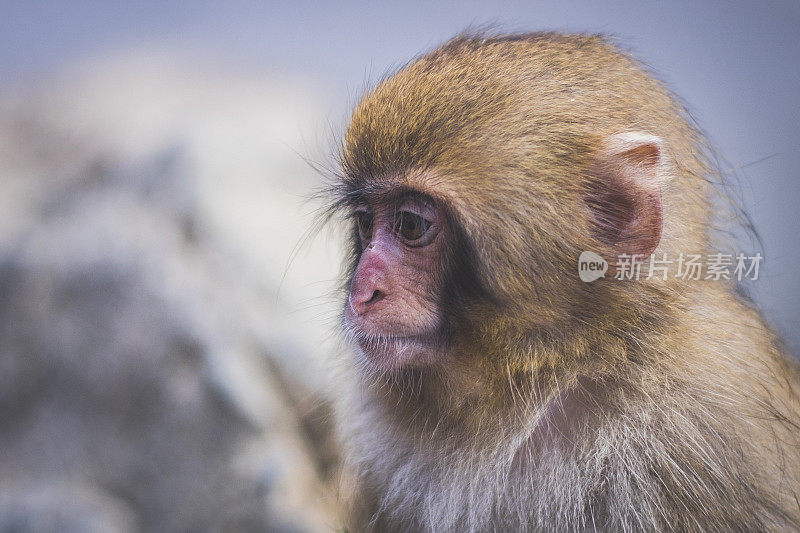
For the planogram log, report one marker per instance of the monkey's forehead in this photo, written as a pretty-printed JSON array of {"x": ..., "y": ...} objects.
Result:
[{"x": 481, "y": 103}]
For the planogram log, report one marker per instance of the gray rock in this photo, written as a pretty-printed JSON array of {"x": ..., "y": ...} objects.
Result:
[{"x": 148, "y": 378}]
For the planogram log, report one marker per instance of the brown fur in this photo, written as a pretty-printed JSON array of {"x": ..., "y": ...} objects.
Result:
[{"x": 561, "y": 405}]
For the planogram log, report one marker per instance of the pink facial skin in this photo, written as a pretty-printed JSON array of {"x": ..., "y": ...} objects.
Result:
[{"x": 392, "y": 313}]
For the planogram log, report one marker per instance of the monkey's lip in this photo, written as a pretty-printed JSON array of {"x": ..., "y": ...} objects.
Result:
[
  {"x": 393, "y": 351},
  {"x": 383, "y": 341}
]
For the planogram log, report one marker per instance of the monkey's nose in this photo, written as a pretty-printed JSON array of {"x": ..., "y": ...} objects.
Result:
[{"x": 362, "y": 301}]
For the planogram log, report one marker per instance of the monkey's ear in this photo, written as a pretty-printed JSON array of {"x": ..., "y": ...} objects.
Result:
[{"x": 625, "y": 194}]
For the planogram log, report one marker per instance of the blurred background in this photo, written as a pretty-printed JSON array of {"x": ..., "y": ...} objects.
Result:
[{"x": 165, "y": 324}]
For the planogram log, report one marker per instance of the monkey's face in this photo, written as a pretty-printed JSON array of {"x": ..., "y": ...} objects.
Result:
[{"x": 392, "y": 313}]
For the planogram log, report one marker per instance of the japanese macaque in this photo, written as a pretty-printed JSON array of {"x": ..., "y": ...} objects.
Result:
[{"x": 492, "y": 389}]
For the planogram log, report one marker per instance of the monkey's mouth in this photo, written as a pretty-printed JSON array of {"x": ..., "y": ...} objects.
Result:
[{"x": 391, "y": 352}]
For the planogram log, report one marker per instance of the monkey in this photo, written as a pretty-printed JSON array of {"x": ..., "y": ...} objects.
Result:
[{"x": 490, "y": 388}]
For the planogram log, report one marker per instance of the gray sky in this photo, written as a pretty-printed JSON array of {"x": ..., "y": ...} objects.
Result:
[{"x": 735, "y": 64}]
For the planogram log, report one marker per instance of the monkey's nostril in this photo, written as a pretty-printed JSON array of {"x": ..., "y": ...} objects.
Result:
[{"x": 360, "y": 304}]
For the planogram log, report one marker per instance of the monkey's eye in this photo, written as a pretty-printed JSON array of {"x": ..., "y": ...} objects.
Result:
[
  {"x": 364, "y": 220},
  {"x": 410, "y": 226}
]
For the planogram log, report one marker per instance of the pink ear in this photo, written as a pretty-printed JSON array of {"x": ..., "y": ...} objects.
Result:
[{"x": 625, "y": 194}]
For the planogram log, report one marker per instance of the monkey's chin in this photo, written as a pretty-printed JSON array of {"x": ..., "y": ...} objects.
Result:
[{"x": 388, "y": 353}]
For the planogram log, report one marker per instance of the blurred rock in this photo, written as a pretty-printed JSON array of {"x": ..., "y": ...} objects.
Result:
[
  {"x": 68, "y": 509},
  {"x": 160, "y": 365}
]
